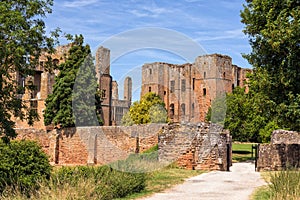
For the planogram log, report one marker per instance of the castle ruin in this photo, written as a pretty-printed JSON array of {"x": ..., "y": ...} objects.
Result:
[
  {"x": 189, "y": 89},
  {"x": 43, "y": 80}
]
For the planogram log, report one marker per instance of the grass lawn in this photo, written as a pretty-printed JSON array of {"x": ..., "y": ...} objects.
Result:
[
  {"x": 242, "y": 152},
  {"x": 163, "y": 179}
]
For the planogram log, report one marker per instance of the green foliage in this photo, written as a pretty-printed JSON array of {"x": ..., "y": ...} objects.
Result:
[
  {"x": 266, "y": 132},
  {"x": 217, "y": 112},
  {"x": 126, "y": 119},
  {"x": 22, "y": 165},
  {"x": 22, "y": 40},
  {"x": 261, "y": 193},
  {"x": 158, "y": 114},
  {"x": 237, "y": 116},
  {"x": 151, "y": 109},
  {"x": 85, "y": 96},
  {"x": 152, "y": 149},
  {"x": 273, "y": 98}
]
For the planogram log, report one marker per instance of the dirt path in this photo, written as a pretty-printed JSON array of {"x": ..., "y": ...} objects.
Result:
[{"x": 235, "y": 185}]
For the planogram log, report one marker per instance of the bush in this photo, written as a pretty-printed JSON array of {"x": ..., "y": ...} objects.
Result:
[
  {"x": 266, "y": 132},
  {"x": 22, "y": 164}
]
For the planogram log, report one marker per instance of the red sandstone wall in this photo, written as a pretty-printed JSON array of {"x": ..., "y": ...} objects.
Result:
[
  {"x": 93, "y": 145},
  {"x": 189, "y": 146}
]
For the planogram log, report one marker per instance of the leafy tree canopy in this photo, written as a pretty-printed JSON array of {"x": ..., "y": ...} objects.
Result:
[
  {"x": 150, "y": 109},
  {"x": 22, "y": 40},
  {"x": 273, "y": 101},
  {"x": 75, "y": 104}
]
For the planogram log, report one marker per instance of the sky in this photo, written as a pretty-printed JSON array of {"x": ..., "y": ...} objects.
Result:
[{"x": 145, "y": 31}]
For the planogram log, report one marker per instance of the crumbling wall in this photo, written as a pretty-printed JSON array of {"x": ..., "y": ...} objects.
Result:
[
  {"x": 93, "y": 145},
  {"x": 282, "y": 152},
  {"x": 195, "y": 146}
]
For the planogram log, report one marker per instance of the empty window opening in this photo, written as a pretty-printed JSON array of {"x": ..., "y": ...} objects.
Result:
[
  {"x": 193, "y": 84},
  {"x": 172, "y": 111},
  {"x": 150, "y": 71},
  {"x": 103, "y": 93},
  {"x": 183, "y": 109},
  {"x": 224, "y": 74},
  {"x": 37, "y": 84},
  {"x": 149, "y": 89},
  {"x": 193, "y": 109},
  {"x": 183, "y": 85},
  {"x": 204, "y": 75},
  {"x": 204, "y": 91},
  {"x": 172, "y": 89}
]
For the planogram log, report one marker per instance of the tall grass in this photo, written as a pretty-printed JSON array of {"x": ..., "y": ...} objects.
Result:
[
  {"x": 285, "y": 185},
  {"x": 82, "y": 183}
]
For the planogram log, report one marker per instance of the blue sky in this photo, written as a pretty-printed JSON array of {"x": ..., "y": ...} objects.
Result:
[{"x": 214, "y": 25}]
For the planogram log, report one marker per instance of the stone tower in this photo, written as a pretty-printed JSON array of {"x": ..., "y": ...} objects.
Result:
[
  {"x": 102, "y": 61},
  {"x": 128, "y": 89},
  {"x": 105, "y": 82}
]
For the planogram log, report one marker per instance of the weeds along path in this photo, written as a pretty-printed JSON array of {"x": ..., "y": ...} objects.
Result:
[{"x": 238, "y": 184}]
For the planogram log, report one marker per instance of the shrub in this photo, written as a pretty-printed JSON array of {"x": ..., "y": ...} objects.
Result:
[
  {"x": 22, "y": 164},
  {"x": 266, "y": 132}
]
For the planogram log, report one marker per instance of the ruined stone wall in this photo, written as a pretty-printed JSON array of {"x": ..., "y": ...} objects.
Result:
[
  {"x": 43, "y": 80},
  {"x": 282, "y": 152},
  {"x": 195, "y": 146},
  {"x": 93, "y": 145}
]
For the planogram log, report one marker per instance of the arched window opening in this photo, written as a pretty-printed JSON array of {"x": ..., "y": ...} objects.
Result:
[{"x": 172, "y": 111}]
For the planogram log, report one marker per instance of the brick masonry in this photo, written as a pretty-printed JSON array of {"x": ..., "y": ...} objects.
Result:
[
  {"x": 192, "y": 146},
  {"x": 93, "y": 145},
  {"x": 282, "y": 152},
  {"x": 195, "y": 146}
]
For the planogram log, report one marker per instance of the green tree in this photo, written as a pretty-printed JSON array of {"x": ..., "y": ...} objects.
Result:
[
  {"x": 75, "y": 104},
  {"x": 87, "y": 95},
  {"x": 273, "y": 27},
  {"x": 22, "y": 40},
  {"x": 217, "y": 112},
  {"x": 237, "y": 114},
  {"x": 150, "y": 109}
]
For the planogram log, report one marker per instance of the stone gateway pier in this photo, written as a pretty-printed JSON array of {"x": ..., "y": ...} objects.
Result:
[{"x": 196, "y": 146}]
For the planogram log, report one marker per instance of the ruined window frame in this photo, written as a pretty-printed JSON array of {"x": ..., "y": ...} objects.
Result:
[
  {"x": 172, "y": 86},
  {"x": 183, "y": 85},
  {"x": 182, "y": 106}
]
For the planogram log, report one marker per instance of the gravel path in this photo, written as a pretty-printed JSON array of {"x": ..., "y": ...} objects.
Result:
[{"x": 238, "y": 184}]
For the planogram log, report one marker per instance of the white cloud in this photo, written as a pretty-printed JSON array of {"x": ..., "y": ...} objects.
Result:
[
  {"x": 79, "y": 3},
  {"x": 221, "y": 35}
]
